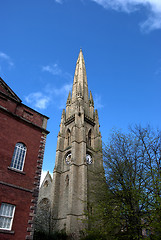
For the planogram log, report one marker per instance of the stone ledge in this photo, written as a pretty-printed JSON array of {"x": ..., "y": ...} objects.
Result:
[
  {"x": 7, "y": 231},
  {"x": 29, "y": 229},
  {"x": 17, "y": 187},
  {"x": 39, "y": 166},
  {"x": 30, "y": 221},
  {"x": 29, "y": 237},
  {"x": 39, "y": 161},
  {"x": 16, "y": 170}
]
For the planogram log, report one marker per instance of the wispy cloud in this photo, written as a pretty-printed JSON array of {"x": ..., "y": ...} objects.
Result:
[
  {"x": 97, "y": 101},
  {"x": 59, "y": 94},
  {"x": 153, "y": 9},
  {"x": 4, "y": 57},
  {"x": 59, "y": 1},
  {"x": 64, "y": 90},
  {"x": 56, "y": 70},
  {"x": 53, "y": 69},
  {"x": 50, "y": 94},
  {"x": 38, "y": 100},
  {"x": 56, "y": 95}
]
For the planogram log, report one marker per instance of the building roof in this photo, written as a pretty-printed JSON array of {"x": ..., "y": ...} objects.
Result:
[{"x": 6, "y": 90}]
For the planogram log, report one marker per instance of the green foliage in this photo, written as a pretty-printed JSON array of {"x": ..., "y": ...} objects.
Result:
[
  {"x": 95, "y": 236},
  {"x": 38, "y": 235},
  {"x": 128, "y": 192}
]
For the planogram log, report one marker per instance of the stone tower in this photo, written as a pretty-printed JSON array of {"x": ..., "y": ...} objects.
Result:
[{"x": 79, "y": 152}]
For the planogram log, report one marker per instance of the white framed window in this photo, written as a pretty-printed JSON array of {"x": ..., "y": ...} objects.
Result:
[
  {"x": 6, "y": 216},
  {"x": 18, "y": 158}
]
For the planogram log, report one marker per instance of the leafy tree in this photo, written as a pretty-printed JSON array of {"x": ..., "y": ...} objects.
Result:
[
  {"x": 40, "y": 235},
  {"x": 128, "y": 195}
]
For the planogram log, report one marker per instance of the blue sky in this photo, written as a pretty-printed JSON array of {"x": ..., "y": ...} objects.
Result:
[{"x": 121, "y": 42}]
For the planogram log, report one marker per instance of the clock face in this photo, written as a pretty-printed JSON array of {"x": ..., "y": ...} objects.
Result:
[
  {"x": 88, "y": 159},
  {"x": 68, "y": 158}
]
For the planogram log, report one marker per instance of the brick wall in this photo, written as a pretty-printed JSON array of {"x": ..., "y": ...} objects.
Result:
[{"x": 19, "y": 123}]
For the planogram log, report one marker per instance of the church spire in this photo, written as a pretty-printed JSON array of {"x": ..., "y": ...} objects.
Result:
[
  {"x": 78, "y": 155},
  {"x": 80, "y": 79}
]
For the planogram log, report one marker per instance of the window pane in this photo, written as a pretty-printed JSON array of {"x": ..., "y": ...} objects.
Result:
[
  {"x": 6, "y": 210},
  {"x": 1, "y": 211},
  {"x": 11, "y": 207},
  {"x": 8, "y": 223},
  {"x": 18, "y": 156},
  {"x": 1, "y": 222},
  {"x": 6, "y": 215},
  {"x": 5, "y": 222}
]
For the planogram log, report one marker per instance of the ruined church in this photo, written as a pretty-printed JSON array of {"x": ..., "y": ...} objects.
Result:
[{"x": 63, "y": 199}]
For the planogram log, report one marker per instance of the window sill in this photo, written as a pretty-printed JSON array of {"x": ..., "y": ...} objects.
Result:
[
  {"x": 15, "y": 170},
  {"x": 6, "y": 231}
]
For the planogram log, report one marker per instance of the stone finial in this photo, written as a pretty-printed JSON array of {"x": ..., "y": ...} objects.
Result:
[
  {"x": 96, "y": 114},
  {"x": 91, "y": 102},
  {"x": 63, "y": 116},
  {"x": 69, "y": 99}
]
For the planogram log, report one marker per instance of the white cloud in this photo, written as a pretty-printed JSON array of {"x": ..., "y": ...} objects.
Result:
[
  {"x": 43, "y": 175},
  {"x": 38, "y": 100},
  {"x": 97, "y": 101},
  {"x": 53, "y": 69},
  {"x": 152, "y": 23},
  {"x": 64, "y": 90},
  {"x": 59, "y": 1},
  {"x": 59, "y": 94},
  {"x": 153, "y": 8},
  {"x": 5, "y": 57},
  {"x": 41, "y": 100}
]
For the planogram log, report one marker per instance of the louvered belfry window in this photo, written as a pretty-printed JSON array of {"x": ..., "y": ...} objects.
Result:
[
  {"x": 6, "y": 216},
  {"x": 18, "y": 158}
]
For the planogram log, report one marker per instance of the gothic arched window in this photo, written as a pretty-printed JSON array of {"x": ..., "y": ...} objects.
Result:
[
  {"x": 68, "y": 136},
  {"x": 46, "y": 184},
  {"x": 89, "y": 137},
  {"x": 18, "y": 157},
  {"x": 67, "y": 180}
]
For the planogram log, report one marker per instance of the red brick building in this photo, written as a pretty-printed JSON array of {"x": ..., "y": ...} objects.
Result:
[{"x": 22, "y": 143}]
